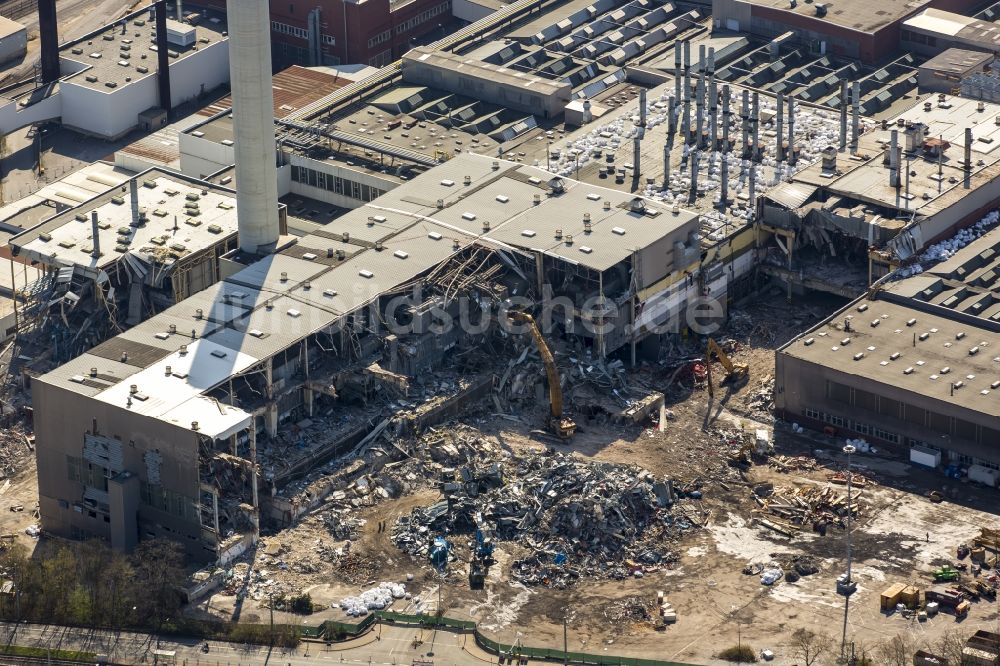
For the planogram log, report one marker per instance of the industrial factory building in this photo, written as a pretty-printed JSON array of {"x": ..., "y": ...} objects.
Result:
[
  {"x": 912, "y": 365},
  {"x": 131, "y": 251},
  {"x": 159, "y": 427},
  {"x": 867, "y": 31},
  {"x": 122, "y": 76},
  {"x": 334, "y": 32},
  {"x": 911, "y": 182}
]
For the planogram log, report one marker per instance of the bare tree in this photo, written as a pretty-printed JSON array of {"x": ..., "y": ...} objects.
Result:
[
  {"x": 810, "y": 646},
  {"x": 895, "y": 651}
]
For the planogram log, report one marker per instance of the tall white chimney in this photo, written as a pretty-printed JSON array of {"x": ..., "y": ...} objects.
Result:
[{"x": 253, "y": 122}]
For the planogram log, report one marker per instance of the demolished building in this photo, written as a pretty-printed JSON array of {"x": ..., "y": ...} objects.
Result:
[
  {"x": 911, "y": 365},
  {"x": 115, "y": 259},
  {"x": 183, "y": 425},
  {"x": 849, "y": 219}
]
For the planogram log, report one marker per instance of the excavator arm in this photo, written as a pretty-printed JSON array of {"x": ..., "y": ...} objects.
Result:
[
  {"x": 563, "y": 427},
  {"x": 734, "y": 371}
]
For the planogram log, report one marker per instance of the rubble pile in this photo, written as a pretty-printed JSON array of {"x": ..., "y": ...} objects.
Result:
[
  {"x": 787, "y": 510},
  {"x": 578, "y": 518},
  {"x": 792, "y": 463},
  {"x": 16, "y": 446}
]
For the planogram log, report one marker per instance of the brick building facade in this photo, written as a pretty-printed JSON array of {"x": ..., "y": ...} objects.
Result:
[{"x": 333, "y": 32}]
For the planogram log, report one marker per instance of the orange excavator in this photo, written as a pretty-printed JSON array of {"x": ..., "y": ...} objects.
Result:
[{"x": 562, "y": 426}]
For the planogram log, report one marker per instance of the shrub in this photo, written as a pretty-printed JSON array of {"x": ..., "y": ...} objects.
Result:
[{"x": 740, "y": 653}]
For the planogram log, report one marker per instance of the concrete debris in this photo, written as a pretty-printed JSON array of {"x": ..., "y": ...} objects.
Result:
[
  {"x": 578, "y": 518},
  {"x": 375, "y": 598}
]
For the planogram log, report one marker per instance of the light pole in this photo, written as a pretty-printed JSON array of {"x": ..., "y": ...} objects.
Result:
[{"x": 848, "y": 586}]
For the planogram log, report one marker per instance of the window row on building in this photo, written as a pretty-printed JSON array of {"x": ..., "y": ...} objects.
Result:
[
  {"x": 423, "y": 17},
  {"x": 380, "y": 38},
  {"x": 285, "y": 29},
  {"x": 918, "y": 37},
  {"x": 335, "y": 184},
  {"x": 935, "y": 422}
]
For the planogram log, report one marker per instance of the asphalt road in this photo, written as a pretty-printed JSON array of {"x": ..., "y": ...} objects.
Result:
[{"x": 383, "y": 646}]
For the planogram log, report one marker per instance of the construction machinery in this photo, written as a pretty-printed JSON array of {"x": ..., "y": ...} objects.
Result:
[
  {"x": 735, "y": 372},
  {"x": 480, "y": 559},
  {"x": 562, "y": 426}
]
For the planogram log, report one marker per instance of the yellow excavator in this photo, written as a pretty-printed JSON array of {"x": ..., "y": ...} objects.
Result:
[
  {"x": 562, "y": 426},
  {"x": 735, "y": 372}
]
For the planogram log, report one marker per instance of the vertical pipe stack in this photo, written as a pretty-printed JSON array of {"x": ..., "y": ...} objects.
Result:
[
  {"x": 699, "y": 98},
  {"x": 162, "y": 55},
  {"x": 894, "y": 160},
  {"x": 95, "y": 231},
  {"x": 686, "y": 124},
  {"x": 636, "y": 156},
  {"x": 694, "y": 175},
  {"x": 791, "y": 130},
  {"x": 754, "y": 123},
  {"x": 713, "y": 102},
  {"x": 968, "y": 149},
  {"x": 677, "y": 73},
  {"x": 726, "y": 116},
  {"x": 253, "y": 119},
  {"x": 843, "y": 113},
  {"x": 745, "y": 118},
  {"x": 779, "y": 148},
  {"x": 133, "y": 195},
  {"x": 856, "y": 114}
]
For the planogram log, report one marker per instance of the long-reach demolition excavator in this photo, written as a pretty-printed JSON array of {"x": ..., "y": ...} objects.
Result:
[
  {"x": 562, "y": 426},
  {"x": 735, "y": 372}
]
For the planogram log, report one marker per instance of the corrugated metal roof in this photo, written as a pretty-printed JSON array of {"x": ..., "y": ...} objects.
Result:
[
  {"x": 791, "y": 195},
  {"x": 294, "y": 88}
]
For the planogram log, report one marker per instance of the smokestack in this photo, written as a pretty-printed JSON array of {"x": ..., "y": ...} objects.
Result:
[
  {"x": 162, "y": 55},
  {"x": 95, "y": 230},
  {"x": 779, "y": 127},
  {"x": 133, "y": 195},
  {"x": 843, "y": 113},
  {"x": 48, "y": 33},
  {"x": 894, "y": 160},
  {"x": 253, "y": 115},
  {"x": 791, "y": 130},
  {"x": 751, "y": 200},
  {"x": 754, "y": 123},
  {"x": 180, "y": 11},
  {"x": 856, "y": 113},
  {"x": 642, "y": 107}
]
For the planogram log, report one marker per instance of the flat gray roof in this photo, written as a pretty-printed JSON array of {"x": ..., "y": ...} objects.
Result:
[
  {"x": 183, "y": 216},
  {"x": 859, "y": 15},
  {"x": 120, "y": 51},
  {"x": 280, "y": 299},
  {"x": 957, "y": 61},
  {"x": 941, "y": 354}
]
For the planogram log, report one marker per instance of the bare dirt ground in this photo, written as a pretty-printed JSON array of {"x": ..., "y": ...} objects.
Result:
[{"x": 899, "y": 537}]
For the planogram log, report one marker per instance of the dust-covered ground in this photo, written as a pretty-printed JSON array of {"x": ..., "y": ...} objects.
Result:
[{"x": 899, "y": 536}]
